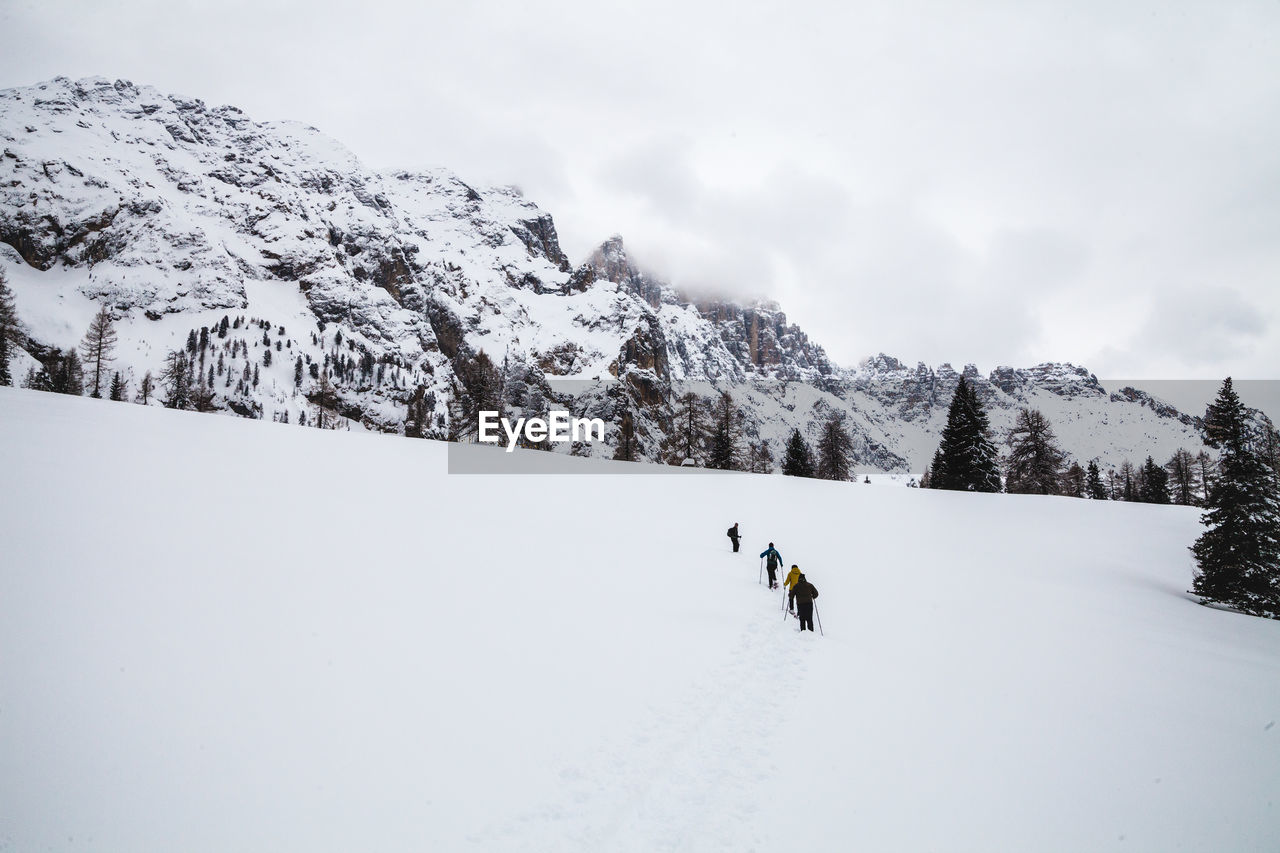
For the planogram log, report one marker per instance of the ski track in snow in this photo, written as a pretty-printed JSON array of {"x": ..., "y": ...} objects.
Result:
[{"x": 682, "y": 779}]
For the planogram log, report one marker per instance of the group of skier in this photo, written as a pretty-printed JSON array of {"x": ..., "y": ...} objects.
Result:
[{"x": 800, "y": 593}]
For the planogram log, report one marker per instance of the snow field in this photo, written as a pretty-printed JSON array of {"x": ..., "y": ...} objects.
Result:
[{"x": 220, "y": 634}]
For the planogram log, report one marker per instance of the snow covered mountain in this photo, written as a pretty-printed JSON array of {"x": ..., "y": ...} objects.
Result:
[{"x": 291, "y": 265}]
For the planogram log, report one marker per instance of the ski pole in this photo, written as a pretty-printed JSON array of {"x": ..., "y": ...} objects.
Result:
[
  {"x": 819, "y": 618},
  {"x": 761, "y": 580}
]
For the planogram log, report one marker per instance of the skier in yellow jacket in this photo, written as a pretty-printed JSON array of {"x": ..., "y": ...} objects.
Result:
[{"x": 790, "y": 583}]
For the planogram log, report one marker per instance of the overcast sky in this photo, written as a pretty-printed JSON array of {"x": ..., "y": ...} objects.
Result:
[{"x": 997, "y": 183}]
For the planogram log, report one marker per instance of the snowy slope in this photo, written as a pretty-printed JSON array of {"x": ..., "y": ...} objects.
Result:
[{"x": 221, "y": 635}]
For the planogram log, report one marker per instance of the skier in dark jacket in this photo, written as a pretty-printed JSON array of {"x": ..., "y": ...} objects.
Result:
[
  {"x": 804, "y": 593},
  {"x": 775, "y": 560},
  {"x": 733, "y": 536}
]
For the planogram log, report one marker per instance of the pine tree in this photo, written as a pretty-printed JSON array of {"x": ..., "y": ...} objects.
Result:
[
  {"x": 326, "y": 403},
  {"x": 835, "y": 450},
  {"x": 1154, "y": 488},
  {"x": 176, "y": 378},
  {"x": 1181, "y": 468},
  {"x": 966, "y": 460},
  {"x": 798, "y": 461},
  {"x": 146, "y": 388},
  {"x": 8, "y": 330},
  {"x": 1239, "y": 555},
  {"x": 1205, "y": 469},
  {"x": 724, "y": 436},
  {"x": 626, "y": 450},
  {"x": 688, "y": 427},
  {"x": 1035, "y": 460},
  {"x": 930, "y": 480},
  {"x": 117, "y": 387},
  {"x": 66, "y": 376},
  {"x": 1127, "y": 481},
  {"x": 1094, "y": 487}
]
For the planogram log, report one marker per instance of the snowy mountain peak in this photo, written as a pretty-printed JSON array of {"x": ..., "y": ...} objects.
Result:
[{"x": 185, "y": 218}]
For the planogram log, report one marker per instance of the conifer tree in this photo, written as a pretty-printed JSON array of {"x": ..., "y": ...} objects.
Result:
[
  {"x": 1154, "y": 483},
  {"x": 1181, "y": 468},
  {"x": 724, "y": 437},
  {"x": 626, "y": 450},
  {"x": 176, "y": 378},
  {"x": 1205, "y": 468},
  {"x": 1239, "y": 554},
  {"x": 326, "y": 402},
  {"x": 966, "y": 460},
  {"x": 117, "y": 387},
  {"x": 145, "y": 389},
  {"x": 8, "y": 330},
  {"x": 798, "y": 461},
  {"x": 835, "y": 450},
  {"x": 1093, "y": 485},
  {"x": 1035, "y": 460},
  {"x": 930, "y": 480},
  {"x": 62, "y": 373},
  {"x": 1127, "y": 482},
  {"x": 689, "y": 426}
]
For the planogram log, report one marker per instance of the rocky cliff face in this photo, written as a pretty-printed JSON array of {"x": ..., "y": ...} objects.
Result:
[{"x": 388, "y": 287}]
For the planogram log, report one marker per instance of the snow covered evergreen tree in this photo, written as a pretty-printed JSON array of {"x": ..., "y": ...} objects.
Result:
[
  {"x": 835, "y": 450},
  {"x": 1239, "y": 555},
  {"x": 1093, "y": 485},
  {"x": 117, "y": 387},
  {"x": 1035, "y": 460},
  {"x": 798, "y": 461},
  {"x": 725, "y": 435},
  {"x": 176, "y": 379},
  {"x": 966, "y": 460},
  {"x": 1154, "y": 483}
]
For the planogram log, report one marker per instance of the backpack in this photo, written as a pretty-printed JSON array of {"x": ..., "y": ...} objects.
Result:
[
  {"x": 773, "y": 560},
  {"x": 730, "y": 533}
]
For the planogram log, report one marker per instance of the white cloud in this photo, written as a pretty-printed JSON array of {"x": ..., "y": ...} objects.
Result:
[{"x": 983, "y": 181}]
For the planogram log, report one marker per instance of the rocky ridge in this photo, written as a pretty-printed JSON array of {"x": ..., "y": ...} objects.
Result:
[{"x": 175, "y": 214}]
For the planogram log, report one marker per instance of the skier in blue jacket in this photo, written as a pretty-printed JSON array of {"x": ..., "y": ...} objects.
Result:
[{"x": 775, "y": 560}]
